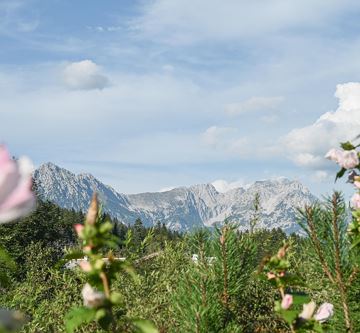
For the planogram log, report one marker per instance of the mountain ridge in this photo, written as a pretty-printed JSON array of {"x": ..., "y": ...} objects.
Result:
[{"x": 182, "y": 208}]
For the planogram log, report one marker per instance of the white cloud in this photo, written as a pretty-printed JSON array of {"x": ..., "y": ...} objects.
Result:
[
  {"x": 307, "y": 146},
  {"x": 84, "y": 75},
  {"x": 254, "y": 104},
  {"x": 190, "y": 21},
  {"x": 223, "y": 186},
  {"x": 321, "y": 176},
  {"x": 214, "y": 136}
]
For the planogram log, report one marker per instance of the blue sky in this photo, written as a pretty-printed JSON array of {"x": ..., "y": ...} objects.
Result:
[{"x": 148, "y": 95}]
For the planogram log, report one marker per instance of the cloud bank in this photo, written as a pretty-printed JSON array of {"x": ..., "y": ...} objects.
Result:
[
  {"x": 307, "y": 146},
  {"x": 253, "y": 104}
]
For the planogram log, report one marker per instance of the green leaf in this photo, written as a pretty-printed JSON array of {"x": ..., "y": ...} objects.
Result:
[
  {"x": 6, "y": 260},
  {"x": 355, "y": 243},
  {"x": 347, "y": 145},
  {"x": 78, "y": 316},
  {"x": 289, "y": 315},
  {"x": 340, "y": 173},
  {"x": 300, "y": 299},
  {"x": 145, "y": 326},
  {"x": 317, "y": 327}
]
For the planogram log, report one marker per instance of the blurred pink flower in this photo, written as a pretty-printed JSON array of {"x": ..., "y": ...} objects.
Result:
[
  {"x": 308, "y": 310},
  {"x": 92, "y": 298},
  {"x": 355, "y": 201},
  {"x": 79, "y": 229},
  {"x": 349, "y": 159},
  {"x": 286, "y": 301},
  {"x": 16, "y": 197},
  {"x": 85, "y": 266},
  {"x": 334, "y": 155},
  {"x": 325, "y": 311},
  {"x": 270, "y": 275}
]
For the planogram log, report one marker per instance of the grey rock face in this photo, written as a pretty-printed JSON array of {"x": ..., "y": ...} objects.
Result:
[{"x": 182, "y": 208}]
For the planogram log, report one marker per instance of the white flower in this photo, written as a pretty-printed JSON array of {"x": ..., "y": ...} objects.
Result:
[
  {"x": 16, "y": 197},
  {"x": 350, "y": 159},
  {"x": 308, "y": 310},
  {"x": 325, "y": 311},
  {"x": 92, "y": 298},
  {"x": 334, "y": 155}
]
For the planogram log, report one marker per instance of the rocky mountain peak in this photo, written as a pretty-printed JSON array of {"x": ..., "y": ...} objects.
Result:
[{"x": 182, "y": 208}]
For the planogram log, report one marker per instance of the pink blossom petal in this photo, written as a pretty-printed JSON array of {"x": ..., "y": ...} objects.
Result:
[
  {"x": 286, "y": 301},
  {"x": 85, "y": 266},
  {"x": 325, "y": 311},
  {"x": 9, "y": 177},
  {"x": 19, "y": 203},
  {"x": 79, "y": 229}
]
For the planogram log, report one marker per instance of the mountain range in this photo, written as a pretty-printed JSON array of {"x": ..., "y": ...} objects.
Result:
[{"x": 182, "y": 208}]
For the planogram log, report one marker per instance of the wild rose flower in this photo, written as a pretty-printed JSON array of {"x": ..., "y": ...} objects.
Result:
[
  {"x": 335, "y": 155},
  {"x": 286, "y": 301},
  {"x": 308, "y": 310},
  {"x": 349, "y": 159},
  {"x": 92, "y": 298},
  {"x": 325, "y": 311},
  {"x": 355, "y": 201},
  {"x": 16, "y": 197}
]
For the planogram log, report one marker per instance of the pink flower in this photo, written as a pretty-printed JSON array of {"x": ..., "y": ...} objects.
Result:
[
  {"x": 85, "y": 266},
  {"x": 355, "y": 201},
  {"x": 350, "y": 159},
  {"x": 271, "y": 275},
  {"x": 92, "y": 298},
  {"x": 16, "y": 197},
  {"x": 334, "y": 155},
  {"x": 286, "y": 301},
  {"x": 79, "y": 229},
  {"x": 308, "y": 310},
  {"x": 325, "y": 311}
]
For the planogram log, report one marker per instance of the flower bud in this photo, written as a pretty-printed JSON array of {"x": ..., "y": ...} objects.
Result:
[
  {"x": 325, "y": 311},
  {"x": 286, "y": 301},
  {"x": 355, "y": 201},
  {"x": 93, "y": 211},
  {"x": 79, "y": 229},
  {"x": 308, "y": 310},
  {"x": 85, "y": 266},
  {"x": 92, "y": 298}
]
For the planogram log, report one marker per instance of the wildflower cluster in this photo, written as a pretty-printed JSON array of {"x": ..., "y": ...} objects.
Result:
[
  {"x": 98, "y": 298},
  {"x": 276, "y": 269},
  {"x": 348, "y": 159}
]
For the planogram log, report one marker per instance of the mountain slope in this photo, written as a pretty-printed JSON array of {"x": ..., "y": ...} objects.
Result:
[{"x": 182, "y": 208}]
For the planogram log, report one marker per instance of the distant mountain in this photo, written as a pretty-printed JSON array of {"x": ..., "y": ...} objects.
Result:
[{"x": 182, "y": 208}]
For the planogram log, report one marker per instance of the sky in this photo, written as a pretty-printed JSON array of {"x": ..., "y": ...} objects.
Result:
[{"x": 147, "y": 95}]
